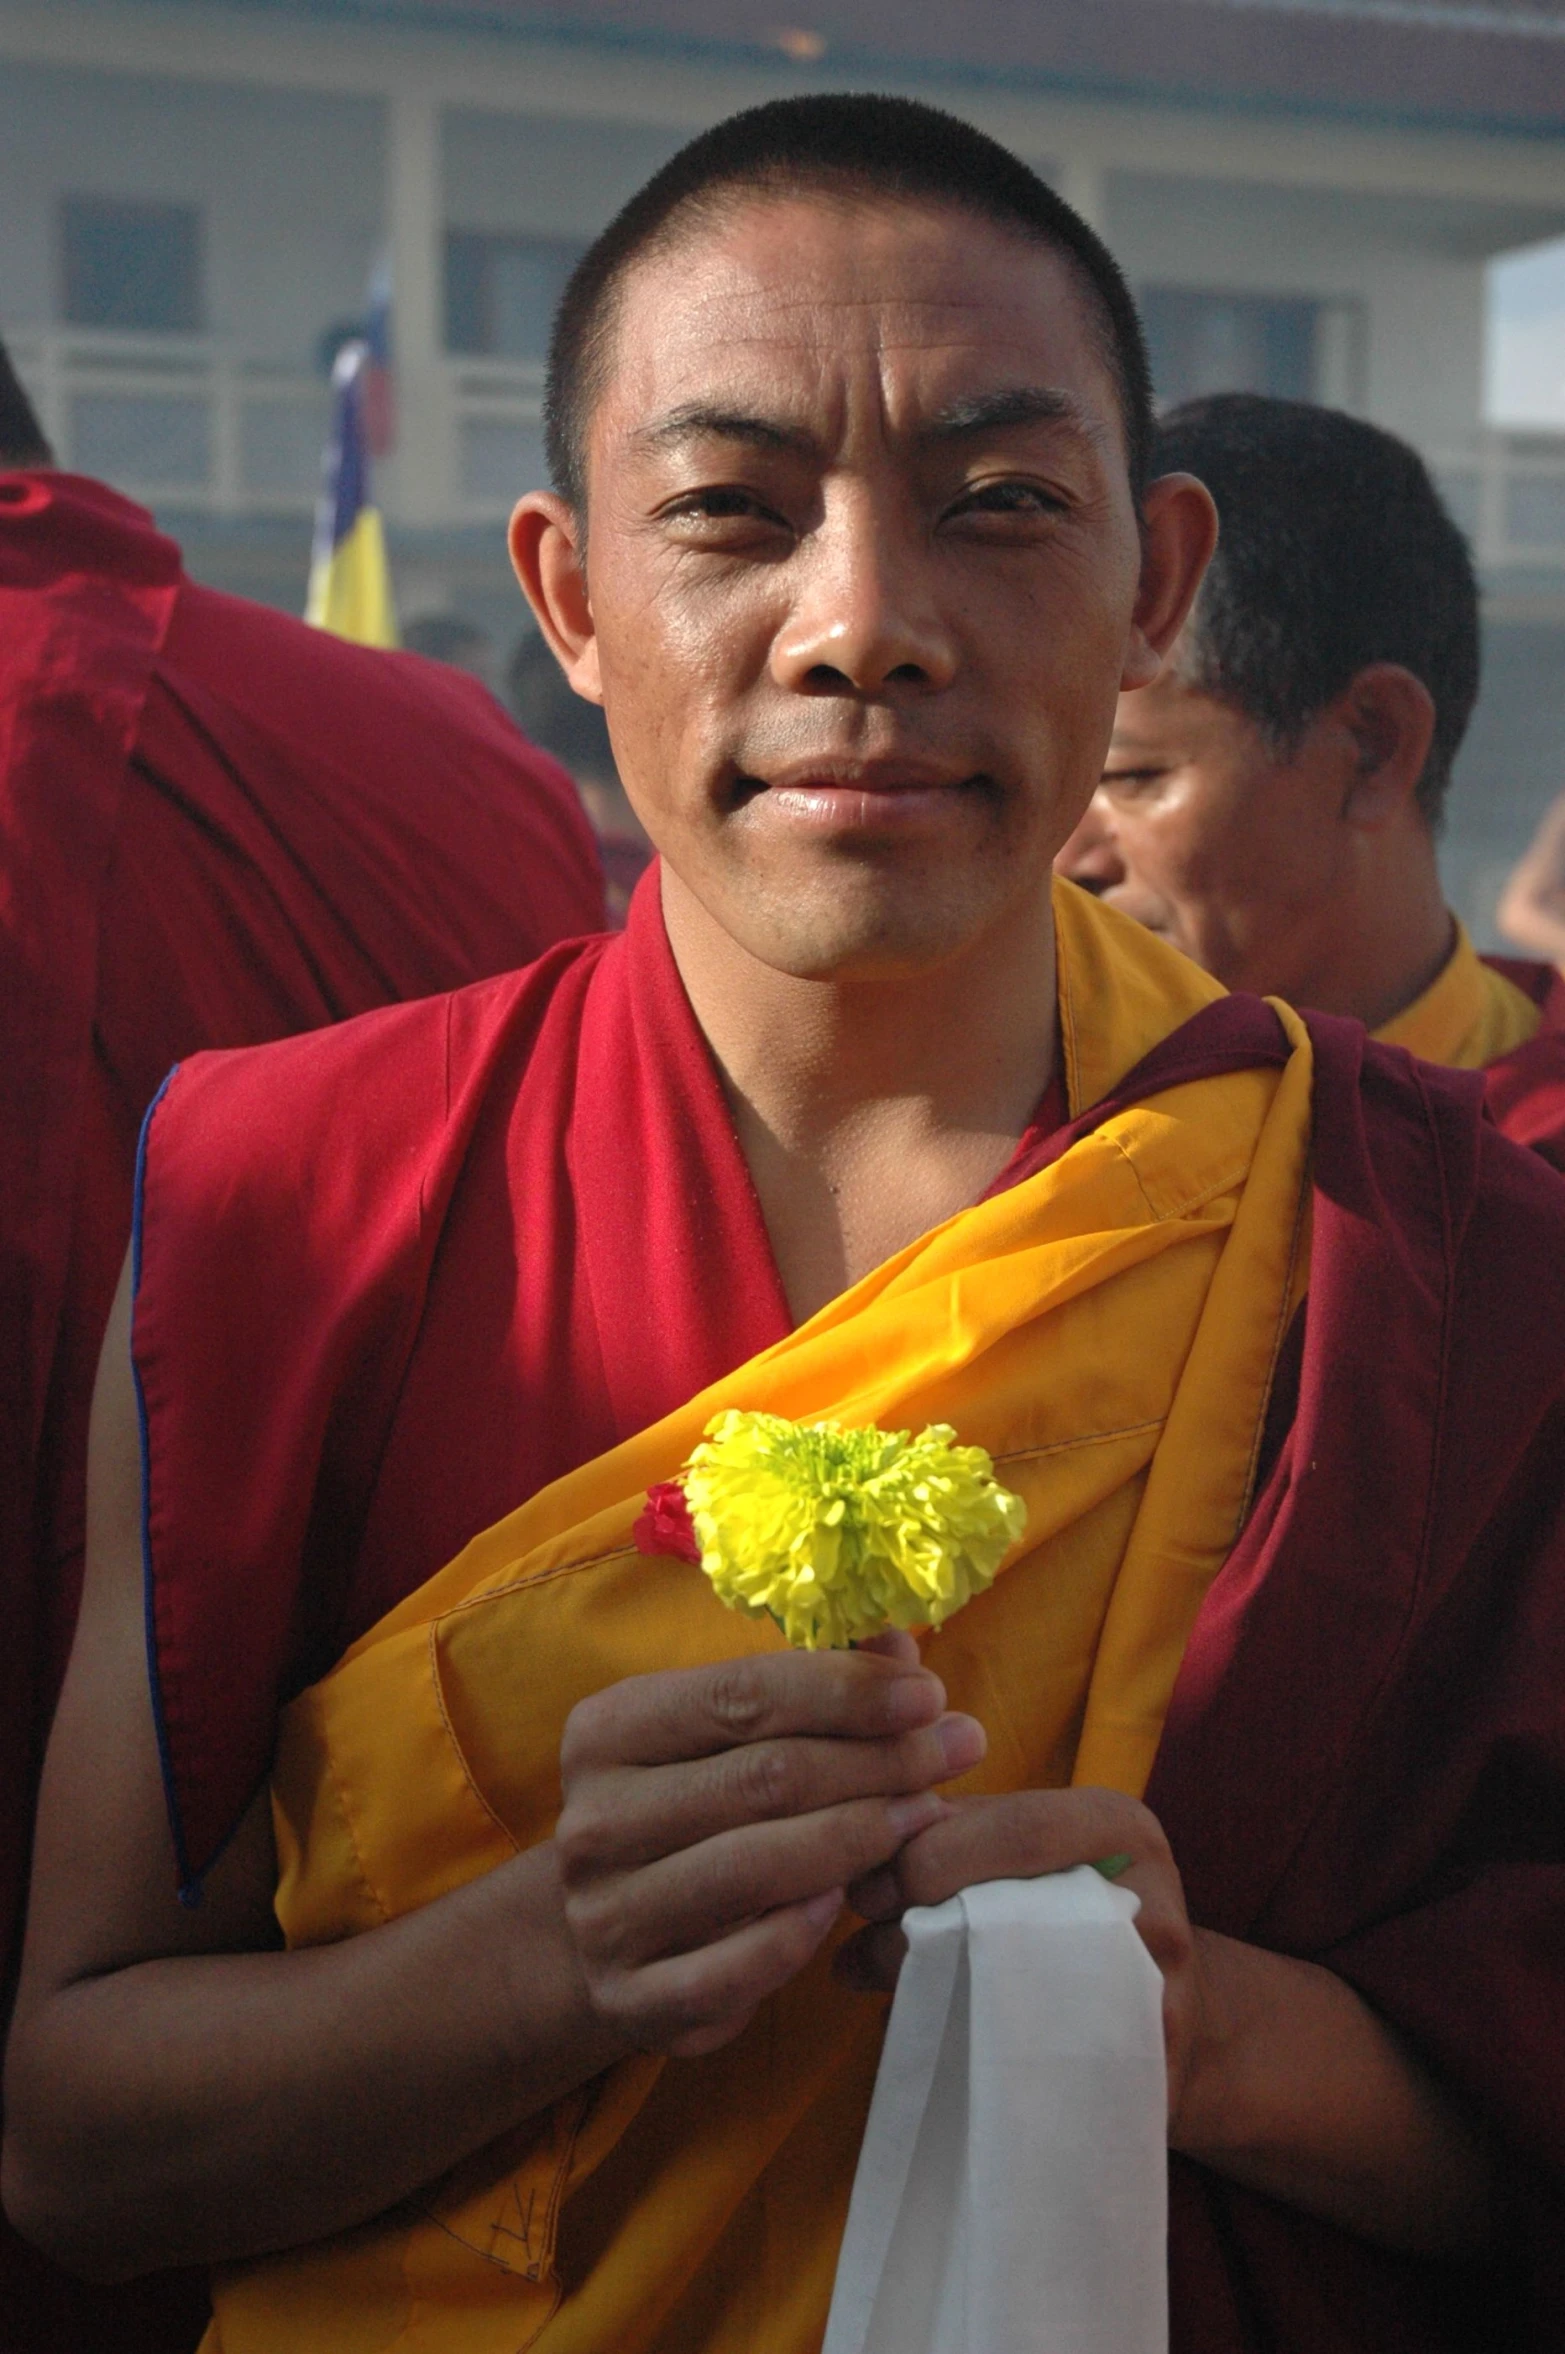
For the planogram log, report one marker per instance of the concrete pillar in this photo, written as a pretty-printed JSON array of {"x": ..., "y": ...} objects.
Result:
[{"x": 421, "y": 479}]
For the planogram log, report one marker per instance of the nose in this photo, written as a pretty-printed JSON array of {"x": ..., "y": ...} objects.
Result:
[
  {"x": 1092, "y": 856},
  {"x": 867, "y": 617}
]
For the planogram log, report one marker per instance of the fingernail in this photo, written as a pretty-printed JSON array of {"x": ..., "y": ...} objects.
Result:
[
  {"x": 821, "y": 1911},
  {"x": 962, "y": 1742},
  {"x": 907, "y": 1816}
]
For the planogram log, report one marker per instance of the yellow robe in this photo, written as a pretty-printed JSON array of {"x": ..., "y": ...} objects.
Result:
[
  {"x": 1108, "y": 1329},
  {"x": 1468, "y": 1016}
]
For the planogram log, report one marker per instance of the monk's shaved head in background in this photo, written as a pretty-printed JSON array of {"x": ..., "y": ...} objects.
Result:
[
  {"x": 852, "y": 147},
  {"x": 1335, "y": 552},
  {"x": 22, "y": 438}
]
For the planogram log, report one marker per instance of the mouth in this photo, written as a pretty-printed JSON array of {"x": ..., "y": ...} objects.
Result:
[{"x": 859, "y": 796}]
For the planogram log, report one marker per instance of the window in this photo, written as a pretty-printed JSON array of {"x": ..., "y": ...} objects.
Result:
[
  {"x": 1204, "y": 343},
  {"x": 501, "y": 292},
  {"x": 131, "y": 265}
]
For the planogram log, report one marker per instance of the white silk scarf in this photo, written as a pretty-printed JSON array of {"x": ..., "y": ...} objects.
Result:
[{"x": 1011, "y": 2193}]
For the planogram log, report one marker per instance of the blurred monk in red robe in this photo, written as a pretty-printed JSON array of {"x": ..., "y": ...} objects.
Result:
[
  {"x": 514, "y": 2003},
  {"x": 216, "y": 827},
  {"x": 1272, "y": 805}
]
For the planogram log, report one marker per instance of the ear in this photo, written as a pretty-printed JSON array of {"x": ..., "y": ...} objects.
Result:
[
  {"x": 1388, "y": 716},
  {"x": 1179, "y": 532},
  {"x": 548, "y": 554}
]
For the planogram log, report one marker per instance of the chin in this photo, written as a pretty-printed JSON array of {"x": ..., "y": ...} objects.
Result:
[{"x": 824, "y": 935}]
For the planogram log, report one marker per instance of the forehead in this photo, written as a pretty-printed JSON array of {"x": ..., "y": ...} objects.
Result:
[
  {"x": 1175, "y": 716},
  {"x": 811, "y": 298}
]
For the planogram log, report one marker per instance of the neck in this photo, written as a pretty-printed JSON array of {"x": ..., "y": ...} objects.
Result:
[
  {"x": 1390, "y": 932},
  {"x": 870, "y": 1110}
]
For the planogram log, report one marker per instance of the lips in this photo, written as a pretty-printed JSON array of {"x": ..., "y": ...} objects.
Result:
[
  {"x": 856, "y": 796},
  {"x": 871, "y": 777}
]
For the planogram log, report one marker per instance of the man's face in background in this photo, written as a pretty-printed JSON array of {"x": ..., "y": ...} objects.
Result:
[{"x": 1207, "y": 834}]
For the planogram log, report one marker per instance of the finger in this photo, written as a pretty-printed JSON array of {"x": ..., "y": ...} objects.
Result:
[
  {"x": 892, "y": 1643},
  {"x": 692, "y": 1712},
  {"x": 634, "y": 1815},
  {"x": 871, "y": 1962},
  {"x": 692, "y": 2002},
  {"x": 699, "y": 1895},
  {"x": 1023, "y": 1834}
]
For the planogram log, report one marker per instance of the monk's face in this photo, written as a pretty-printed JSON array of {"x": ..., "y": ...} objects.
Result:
[
  {"x": 862, "y": 572},
  {"x": 1205, "y": 833}
]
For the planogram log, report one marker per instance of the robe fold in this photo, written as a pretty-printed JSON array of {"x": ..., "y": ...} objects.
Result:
[
  {"x": 216, "y": 827},
  {"x": 1503, "y": 1016},
  {"x": 529, "y": 1261},
  {"x": 1525, "y": 1088}
]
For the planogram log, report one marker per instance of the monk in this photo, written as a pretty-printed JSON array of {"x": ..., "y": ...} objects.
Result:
[
  {"x": 540, "y": 1910},
  {"x": 218, "y": 827},
  {"x": 1272, "y": 804}
]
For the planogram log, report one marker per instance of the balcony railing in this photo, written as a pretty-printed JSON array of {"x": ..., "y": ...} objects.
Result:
[
  {"x": 1507, "y": 491},
  {"x": 496, "y": 418},
  {"x": 180, "y": 421},
  {"x": 177, "y": 420}
]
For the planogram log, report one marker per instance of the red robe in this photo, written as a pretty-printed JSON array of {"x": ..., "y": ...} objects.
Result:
[
  {"x": 217, "y": 827},
  {"x": 1525, "y": 1090},
  {"x": 534, "y": 1233}
]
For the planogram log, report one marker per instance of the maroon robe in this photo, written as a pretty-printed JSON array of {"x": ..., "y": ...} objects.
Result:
[
  {"x": 518, "y": 1226},
  {"x": 216, "y": 827},
  {"x": 1525, "y": 1089}
]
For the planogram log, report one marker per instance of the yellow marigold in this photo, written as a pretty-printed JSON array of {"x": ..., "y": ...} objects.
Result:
[{"x": 838, "y": 1534}]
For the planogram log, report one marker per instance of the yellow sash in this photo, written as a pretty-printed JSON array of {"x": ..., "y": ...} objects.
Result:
[
  {"x": 1468, "y": 1016},
  {"x": 1108, "y": 1329}
]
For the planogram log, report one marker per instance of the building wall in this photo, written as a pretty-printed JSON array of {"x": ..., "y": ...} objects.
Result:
[
  {"x": 553, "y": 178},
  {"x": 1420, "y": 364},
  {"x": 1511, "y": 766},
  {"x": 292, "y": 189},
  {"x": 290, "y": 184}
]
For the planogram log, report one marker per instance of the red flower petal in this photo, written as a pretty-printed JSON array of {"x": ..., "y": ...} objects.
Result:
[{"x": 665, "y": 1526}]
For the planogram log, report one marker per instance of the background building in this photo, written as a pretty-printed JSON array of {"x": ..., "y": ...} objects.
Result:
[{"x": 1305, "y": 192}]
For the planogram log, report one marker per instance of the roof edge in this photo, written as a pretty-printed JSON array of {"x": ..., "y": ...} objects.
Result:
[{"x": 863, "y": 66}]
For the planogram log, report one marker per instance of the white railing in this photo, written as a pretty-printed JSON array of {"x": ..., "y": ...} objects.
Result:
[
  {"x": 177, "y": 419},
  {"x": 1507, "y": 491},
  {"x": 181, "y": 421},
  {"x": 496, "y": 416}
]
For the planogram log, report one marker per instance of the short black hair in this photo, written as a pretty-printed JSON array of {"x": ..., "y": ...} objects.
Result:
[
  {"x": 23, "y": 441},
  {"x": 855, "y": 144},
  {"x": 1335, "y": 551}
]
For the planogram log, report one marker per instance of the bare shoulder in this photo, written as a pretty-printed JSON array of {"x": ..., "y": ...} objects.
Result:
[{"x": 103, "y": 1890}]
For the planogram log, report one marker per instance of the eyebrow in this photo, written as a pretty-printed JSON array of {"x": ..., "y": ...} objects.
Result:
[
  {"x": 696, "y": 421},
  {"x": 985, "y": 412},
  {"x": 995, "y": 412}
]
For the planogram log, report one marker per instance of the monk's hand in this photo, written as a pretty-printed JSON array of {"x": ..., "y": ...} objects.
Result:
[
  {"x": 1018, "y": 1837},
  {"x": 715, "y": 1816}
]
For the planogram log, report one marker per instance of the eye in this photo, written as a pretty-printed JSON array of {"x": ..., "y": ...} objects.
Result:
[
  {"x": 722, "y": 502},
  {"x": 1125, "y": 783},
  {"x": 1026, "y": 501}
]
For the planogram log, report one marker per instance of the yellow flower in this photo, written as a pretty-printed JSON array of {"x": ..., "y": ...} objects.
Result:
[{"x": 839, "y": 1533}]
